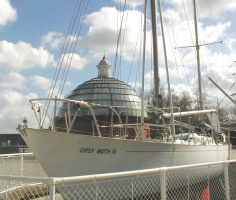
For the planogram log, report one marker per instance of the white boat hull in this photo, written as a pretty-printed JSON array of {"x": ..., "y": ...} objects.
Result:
[{"x": 62, "y": 154}]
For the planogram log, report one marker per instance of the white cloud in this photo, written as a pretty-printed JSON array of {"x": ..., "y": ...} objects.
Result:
[
  {"x": 148, "y": 85},
  {"x": 231, "y": 43},
  {"x": 75, "y": 61},
  {"x": 12, "y": 80},
  {"x": 178, "y": 72},
  {"x": 103, "y": 33},
  {"x": 14, "y": 107},
  {"x": 41, "y": 82},
  {"x": 7, "y": 12},
  {"x": 180, "y": 89},
  {"x": 53, "y": 39},
  {"x": 216, "y": 8},
  {"x": 205, "y": 9},
  {"x": 21, "y": 55},
  {"x": 180, "y": 31},
  {"x": 101, "y": 36},
  {"x": 44, "y": 84},
  {"x": 132, "y": 3},
  {"x": 216, "y": 32}
]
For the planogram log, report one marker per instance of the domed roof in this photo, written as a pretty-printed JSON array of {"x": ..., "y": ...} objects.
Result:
[
  {"x": 104, "y": 61},
  {"x": 107, "y": 91}
]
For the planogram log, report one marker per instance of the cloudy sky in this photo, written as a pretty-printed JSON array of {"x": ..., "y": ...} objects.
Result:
[{"x": 32, "y": 34}]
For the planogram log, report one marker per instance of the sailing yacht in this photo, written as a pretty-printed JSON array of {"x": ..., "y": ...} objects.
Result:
[{"x": 103, "y": 126}]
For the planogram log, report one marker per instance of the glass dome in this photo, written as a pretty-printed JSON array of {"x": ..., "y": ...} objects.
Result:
[
  {"x": 112, "y": 100},
  {"x": 107, "y": 92},
  {"x": 104, "y": 91}
]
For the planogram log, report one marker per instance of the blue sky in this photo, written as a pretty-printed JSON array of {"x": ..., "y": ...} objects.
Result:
[{"x": 32, "y": 33}]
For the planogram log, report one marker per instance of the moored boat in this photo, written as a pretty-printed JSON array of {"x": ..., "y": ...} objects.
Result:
[
  {"x": 103, "y": 126},
  {"x": 90, "y": 138}
]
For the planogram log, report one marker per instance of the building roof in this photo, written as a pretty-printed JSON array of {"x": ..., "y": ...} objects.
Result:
[{"x": 105, "y": 90}]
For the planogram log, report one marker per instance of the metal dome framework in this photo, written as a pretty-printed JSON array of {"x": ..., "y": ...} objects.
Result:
[
  {"x": 108, "y": 92},
  {"x": 113, "y": 102}
]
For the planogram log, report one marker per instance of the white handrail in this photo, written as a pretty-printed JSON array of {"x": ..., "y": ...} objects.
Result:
[
  {"x": 106, "y": 176},
  {"x": 81, "y": 103},
  {"x": 15, "y": 155},
  {"x": 58, "y": 180}
]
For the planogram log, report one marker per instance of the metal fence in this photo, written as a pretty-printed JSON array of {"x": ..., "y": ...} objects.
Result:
[
  {"x": 216, "y": 181},
  {"x": 20, "y": 164}
]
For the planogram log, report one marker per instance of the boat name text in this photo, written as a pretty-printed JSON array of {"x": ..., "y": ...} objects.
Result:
[{"x": 98, "y": 151}]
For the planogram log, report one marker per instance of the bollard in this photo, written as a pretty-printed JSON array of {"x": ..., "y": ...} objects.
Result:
[
  {"x": 226, "y": 178},
  {"x": 52, "y": 190},
  {"x": 21, "y": 164},
  {"x": 163, "y": 185}
]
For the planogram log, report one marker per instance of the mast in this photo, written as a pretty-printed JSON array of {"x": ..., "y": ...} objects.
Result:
[
  {"x": 198, "y": 56},
  {"x": 167, "y": 70},
  {"x": 143, "y": 64},
  {"x": 157, "y": 100}
]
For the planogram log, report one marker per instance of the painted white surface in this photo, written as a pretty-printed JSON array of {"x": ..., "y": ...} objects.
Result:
[{"x": 63, "y": 154}]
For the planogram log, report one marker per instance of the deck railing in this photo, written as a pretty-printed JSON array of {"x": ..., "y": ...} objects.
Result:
[{"x": 66, "y": 115}]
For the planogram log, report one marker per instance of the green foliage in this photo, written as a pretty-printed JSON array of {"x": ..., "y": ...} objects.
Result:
[{"x": 182, "y": 101}]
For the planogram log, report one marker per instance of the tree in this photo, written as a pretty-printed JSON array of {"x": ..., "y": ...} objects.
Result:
[{"x": 182, "y": 101}]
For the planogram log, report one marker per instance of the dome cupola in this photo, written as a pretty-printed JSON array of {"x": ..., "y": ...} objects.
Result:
[{"x": 104, "y": 68}]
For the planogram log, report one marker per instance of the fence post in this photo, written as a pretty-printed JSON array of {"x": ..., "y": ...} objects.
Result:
[
  {"x": 52, "y": 189},
  {"x": 96, "y": 191},
  {"x": 132, "y": 188},
  {"x": 8, "y": 186},
  {"x": 188, "y": 183},
  {"x": 21, "y": 164},
  {"x": 163, "y": 184},
  {"x": 226, "y": 178}
]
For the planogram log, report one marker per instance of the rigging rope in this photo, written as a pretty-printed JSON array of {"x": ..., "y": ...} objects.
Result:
[
  {"x": 59, "y": 63},
  {"x": 181, "y": 55},
  {"x": 136, "y": 52},
  {"x": 122, "y": 44},
  {"x": 137, "y": 77},
  {"x": 118, "y": 39},
  {"x": 185, "y": 12},
  {"x": 72, "y": 50},
  {"x": 170, "y": 19},
  {"x": 132, "y": 61},
  {"x": 68, "y": 50},
  {"x": 73, "y": 43},
  {"x": 212, "y": 49}
]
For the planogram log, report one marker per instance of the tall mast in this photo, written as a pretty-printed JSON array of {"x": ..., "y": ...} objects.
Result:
[
  {"x": 157, "y": 101},
  {"x": 198, "y": 56},
  {"x": 143, "y": 65},
  {"x": 167, "y": 70}
]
